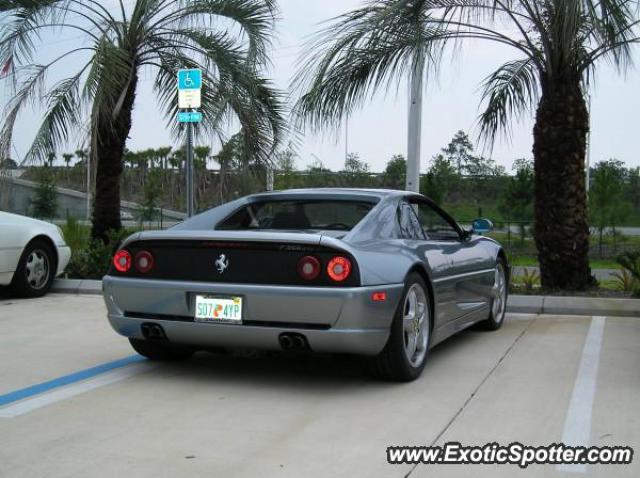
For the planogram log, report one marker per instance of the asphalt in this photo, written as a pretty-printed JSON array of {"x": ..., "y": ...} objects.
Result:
[{"x": 95, "y": 411}]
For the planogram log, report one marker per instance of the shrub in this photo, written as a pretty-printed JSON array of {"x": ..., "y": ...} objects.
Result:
[
  {"x": 630, "y": 261},
  {"x": 92, "y": 260},
  {"x": 624, "y": 281},
  {"x": 45, "y": 203},
  {"x": 530, "y": 279}
]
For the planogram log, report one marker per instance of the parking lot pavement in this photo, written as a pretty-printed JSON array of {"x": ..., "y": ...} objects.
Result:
[{"x": 277, "y": 415}]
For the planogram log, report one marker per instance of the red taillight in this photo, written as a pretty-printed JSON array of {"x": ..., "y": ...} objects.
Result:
[
  {"x": 379, "y": 296},
  {"x": 122, "y": 261},
  {"x": 144, "y": 261},
  {"x": 309, "y": 267},
  {"x": 339, "y": 268}
]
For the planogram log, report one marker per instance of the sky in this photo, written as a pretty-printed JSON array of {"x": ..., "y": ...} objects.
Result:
[{"x": 379, "y": 130}]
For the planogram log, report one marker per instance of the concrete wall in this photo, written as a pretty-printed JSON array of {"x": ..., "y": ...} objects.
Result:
[{"x": 16, "y": 195}]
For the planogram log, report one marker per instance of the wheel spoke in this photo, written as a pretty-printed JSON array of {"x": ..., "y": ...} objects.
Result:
[
  {"x": 499, "y": 293},
  {"x": 412, "y": 342},
  {"x": 407, "y": 325},
  {"x": 37, "y": 269},
  {"x": 415, "y": 323}
]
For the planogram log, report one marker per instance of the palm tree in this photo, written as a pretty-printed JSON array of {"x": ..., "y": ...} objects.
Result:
[
  {"x": 67, "y": 157},
  {"x": 559, "y": 43},
  {"x": 157, "y": 37}
]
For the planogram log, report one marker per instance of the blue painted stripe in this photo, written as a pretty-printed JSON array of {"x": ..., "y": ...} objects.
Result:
[{"x": 67, "y": 379}]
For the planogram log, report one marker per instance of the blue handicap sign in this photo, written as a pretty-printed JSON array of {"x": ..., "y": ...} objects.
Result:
[
  {"x": 189, "y": 79},
  {"x": 189, "y": 117}
]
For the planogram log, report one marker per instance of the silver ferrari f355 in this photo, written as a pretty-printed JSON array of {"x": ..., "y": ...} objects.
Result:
[{"x": 381, "y": 273}]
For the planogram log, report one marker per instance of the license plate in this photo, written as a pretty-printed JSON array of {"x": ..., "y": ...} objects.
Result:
[{"x": 218, "y": 309}]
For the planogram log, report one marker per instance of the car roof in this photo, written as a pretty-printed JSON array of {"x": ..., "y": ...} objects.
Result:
[{"x": 380, "y": 193}]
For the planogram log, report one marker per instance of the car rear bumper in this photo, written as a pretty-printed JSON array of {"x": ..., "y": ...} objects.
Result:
[{"x": 331, "y": 319}]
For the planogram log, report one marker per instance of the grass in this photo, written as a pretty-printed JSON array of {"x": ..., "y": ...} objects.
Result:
[{"x": 530, "y": 261}]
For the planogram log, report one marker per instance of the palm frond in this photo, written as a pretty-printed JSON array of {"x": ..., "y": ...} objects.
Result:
[
  {"x": 256, "y": 18},
  {"x": 62, "y": 117},
  {"x": 509, "y": 91},
  {"x": 28, "y": 91},
  {"x": 359, "y": 52},
  {"x": 19, "y": 32}
]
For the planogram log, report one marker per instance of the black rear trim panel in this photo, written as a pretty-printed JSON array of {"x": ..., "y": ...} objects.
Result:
[{"x": 248, "y": 262}]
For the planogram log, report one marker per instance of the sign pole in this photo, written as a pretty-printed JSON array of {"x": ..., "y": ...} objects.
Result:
[
  {"x": 189, "y": 97},
  {"x": 189, "y": 175}
]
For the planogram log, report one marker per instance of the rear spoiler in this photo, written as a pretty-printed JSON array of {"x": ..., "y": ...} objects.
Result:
[
  {"x": 242, "y": 236},
  {"x": 239, "y": 236}
]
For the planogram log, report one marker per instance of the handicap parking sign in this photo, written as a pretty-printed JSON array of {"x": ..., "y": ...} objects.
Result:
[{"x": 189, "y": 79}]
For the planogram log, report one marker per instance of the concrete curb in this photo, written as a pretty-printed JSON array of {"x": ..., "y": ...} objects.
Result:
[
  {"x": 525, "y": 304},
  {"x": 541, "y": 304},
  {"x": 77, "y": 286}
]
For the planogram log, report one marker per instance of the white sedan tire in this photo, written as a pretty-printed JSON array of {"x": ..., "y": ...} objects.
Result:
[{"x": 36, "y": 270}]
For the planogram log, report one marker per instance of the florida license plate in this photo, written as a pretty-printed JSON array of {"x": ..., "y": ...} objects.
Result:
[{"x": 218, "y": 309}]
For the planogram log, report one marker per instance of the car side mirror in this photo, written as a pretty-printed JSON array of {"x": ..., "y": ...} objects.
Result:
[{"x": 481, "y": 226}]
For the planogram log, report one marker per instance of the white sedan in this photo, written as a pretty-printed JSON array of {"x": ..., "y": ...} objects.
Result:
[{"x": 32, "y": 254}]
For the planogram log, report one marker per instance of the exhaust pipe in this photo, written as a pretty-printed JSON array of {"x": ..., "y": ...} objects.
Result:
[
  {"x": 293, "y": 341},
  {"x": 286, "y": 342},
  {"x": 299, "y": 342},
  {"x": 152, "y": 331}
]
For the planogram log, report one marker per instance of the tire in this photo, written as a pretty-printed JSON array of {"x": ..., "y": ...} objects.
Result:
[
  {"x": 160, "y": 351},
  {"x": 36, "y": 270},
  {"x": 500, "y": 291},
  {"x": 394, "y": 362}
]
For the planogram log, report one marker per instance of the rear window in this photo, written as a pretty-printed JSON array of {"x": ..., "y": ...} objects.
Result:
[{"x": 298, "y": 215}]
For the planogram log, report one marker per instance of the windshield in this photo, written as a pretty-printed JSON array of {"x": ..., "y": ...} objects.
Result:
[{"x": 298, "y": 215}]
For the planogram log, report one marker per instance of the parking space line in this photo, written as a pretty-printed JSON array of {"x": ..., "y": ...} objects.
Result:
[
  {"x": 42, "y": 400},
  {"x": 577, "y": 425},
  {"x": 84, "y": 379}
]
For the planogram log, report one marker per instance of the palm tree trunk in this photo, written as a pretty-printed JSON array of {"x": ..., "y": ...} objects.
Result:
[
  {"x": 110, "y": 144},
  {"x": 561, "y": 229}
]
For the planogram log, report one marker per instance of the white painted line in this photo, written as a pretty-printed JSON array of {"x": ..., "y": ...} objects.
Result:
[
  {"x": 39, "y": 401},
  {"x": 577, "y": 425}
]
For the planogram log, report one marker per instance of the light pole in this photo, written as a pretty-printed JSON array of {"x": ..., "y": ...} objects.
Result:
[
  {"x": 588, "y": 171},
  {"x": 415, "y": 126}
]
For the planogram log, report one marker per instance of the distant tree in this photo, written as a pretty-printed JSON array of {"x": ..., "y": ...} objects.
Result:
[
  {"x": 81, "y": 154},
  {"x": 177, "y": 158},
  {"x": 163, "y": 154},
  {"x": 45, "y": 203},
  {"x": 67, "y": 157},
  {"x": 129, "y": 158},
  {"x": 460, "y": 152},
  {"x": 152, "y": 194},
  {"x": 285, "y": 166},
  {"x": 8, "y": 163},
  {"x": 229, "y": 160},
  {"x": 483, "y": 167},
  {"x": 440, "y": 179},
  {"x": 517, "y": 200},
  {"x": 356, "y": 171},
  {"x": 200, "y": 157},
  {"x": 633, "y": 187},
  {"x": 396, "y": 172},
  {"x": 607, "y": 207},
  {"x": 318, "y": 175},
  {"x": 51, "y": 157}
]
